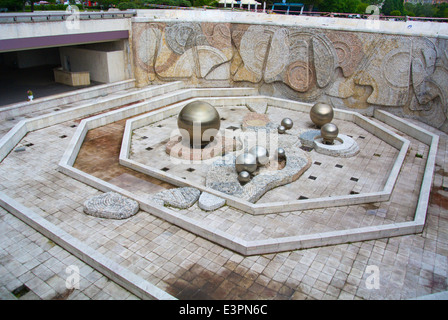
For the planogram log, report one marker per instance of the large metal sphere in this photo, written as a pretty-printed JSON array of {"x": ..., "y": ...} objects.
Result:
[
  {"x": 287, "y": 123},
  {"x": 246, "y": 162},
  {"x": 244, "y": 177},
  {"x": 281, "y": 154},
  {"x": 199, "y": 123},
  {"x": 321, "y": 113},
  {"x": 329, "y": 132},
  {"x": 281, "y": 129},
  {"x": 261, "y": 154}
]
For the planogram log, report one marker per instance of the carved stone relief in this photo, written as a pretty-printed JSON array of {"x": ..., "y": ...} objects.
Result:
[{"x": 363, "y": 71}]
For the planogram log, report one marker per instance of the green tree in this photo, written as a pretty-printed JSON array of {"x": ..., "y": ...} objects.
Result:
[
  {"x": 108, "y": 3},
  {"x": 361, "y": 8},
  {"x": 127, "y": 5},
  {"x": 424, "y": 10},
  {"x": 331, "y": 6},
  {"x": 409, "y": 9},
  {"x": 391, "y": 5},
  {"x": 13, "y": 5},
  {"x": 340, "y": 6},
  {"x": 309, "y": 4},
  {"x": 441, "y": 10},
  {"x": 201, "y": 3}
]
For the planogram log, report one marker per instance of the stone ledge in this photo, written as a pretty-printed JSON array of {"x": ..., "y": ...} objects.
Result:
[
  {"x": 359, "y": 25},
  {"x": 122, "y": 276},
  {"x": 19, "y": 108}
]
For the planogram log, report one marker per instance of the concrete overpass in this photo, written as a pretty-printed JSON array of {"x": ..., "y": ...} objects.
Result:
[
  {"x": 58, "y": 51},
  {"x": 21, "y": 31}
]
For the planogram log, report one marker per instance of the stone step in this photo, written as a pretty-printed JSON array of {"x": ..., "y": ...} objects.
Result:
[
  {"x": 8, "y": 119},
  {"x": 57, "y": 100}
]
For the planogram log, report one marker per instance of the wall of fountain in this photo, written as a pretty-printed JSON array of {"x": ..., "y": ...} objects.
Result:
[{"x": 363, "y": 65}]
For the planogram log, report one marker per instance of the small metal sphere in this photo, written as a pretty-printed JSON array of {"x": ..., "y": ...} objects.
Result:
[
  {"x": 246, "y": 162},
  {"x": 199, "y": 122},
  {"x": 321, "y": 113},
  {"x": 261, "y": 154},
  {"x": 281, "y": 129},
  {"x": 244, "y": 177},
  {"x": 329, "y": 132},
  {"x": 281, "y": 154},
  {"x": 287, "y": 123}
]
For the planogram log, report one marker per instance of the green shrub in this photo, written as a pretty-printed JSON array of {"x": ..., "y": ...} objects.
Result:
[
  {"x": 184, "y": 3},
  {"x": 126, "y": 5},
  {"x": 395, "y": 13},
  {"x": 408, "y": 13}
]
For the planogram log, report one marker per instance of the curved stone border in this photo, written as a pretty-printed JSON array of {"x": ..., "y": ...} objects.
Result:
[{"x": 346, "y": 148}]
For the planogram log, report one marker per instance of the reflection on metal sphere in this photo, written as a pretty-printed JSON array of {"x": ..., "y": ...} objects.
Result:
[
  {"x": 281, "y": 154},
  {"x": 281, "y": 129},
  {"x": 261, "y": 154},
  {"x": 246, "y": 162},
  {"x": 199, "y": 123},
  {"x": 244, "y": 176},
  {"x": 329, "y": 132},
  {"x": 287, "y": 123},
  {"x": 321, "y": 113}
]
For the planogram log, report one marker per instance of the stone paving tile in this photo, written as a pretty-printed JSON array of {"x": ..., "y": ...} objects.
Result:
[
  {"x": 32, "y": 267},
  {"x": 190, "y": 267}
]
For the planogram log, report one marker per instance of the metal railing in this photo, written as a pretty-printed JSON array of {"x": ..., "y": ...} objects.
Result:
[
  {"x": 86, "y": 15},
  {"x": 259, "y": 9},
  {"x": 40, "y": 16}
]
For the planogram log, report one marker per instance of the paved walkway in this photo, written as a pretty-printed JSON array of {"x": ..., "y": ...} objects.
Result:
[
  {"x": 14, "y": 84},
  {"x": 33, "y": 267},
  {"x": 190, "y": 267}
]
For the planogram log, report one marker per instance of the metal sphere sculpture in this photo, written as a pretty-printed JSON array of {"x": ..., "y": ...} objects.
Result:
[
  {"x": 287, "y": 123},
  {"x": 199, "y": 122},
  {"x": 281, "y": 154},
  {"x": 281, "y": 129},
  {"x": 329, "y": 132},
  {"x": 246, "y": 162},
  {"x": 244, "y": 177},
  {"x": 261, "y": 154},
  {"x": 321, "y": 113}
]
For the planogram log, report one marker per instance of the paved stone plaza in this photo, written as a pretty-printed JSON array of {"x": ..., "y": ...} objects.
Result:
[{"x": 188, "y": 266}]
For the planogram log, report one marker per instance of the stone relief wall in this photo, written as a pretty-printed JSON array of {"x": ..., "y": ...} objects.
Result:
[{"x": 405, "y": 75}]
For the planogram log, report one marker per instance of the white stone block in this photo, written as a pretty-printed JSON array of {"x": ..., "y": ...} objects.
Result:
[{"x": 210, "y": 202}]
